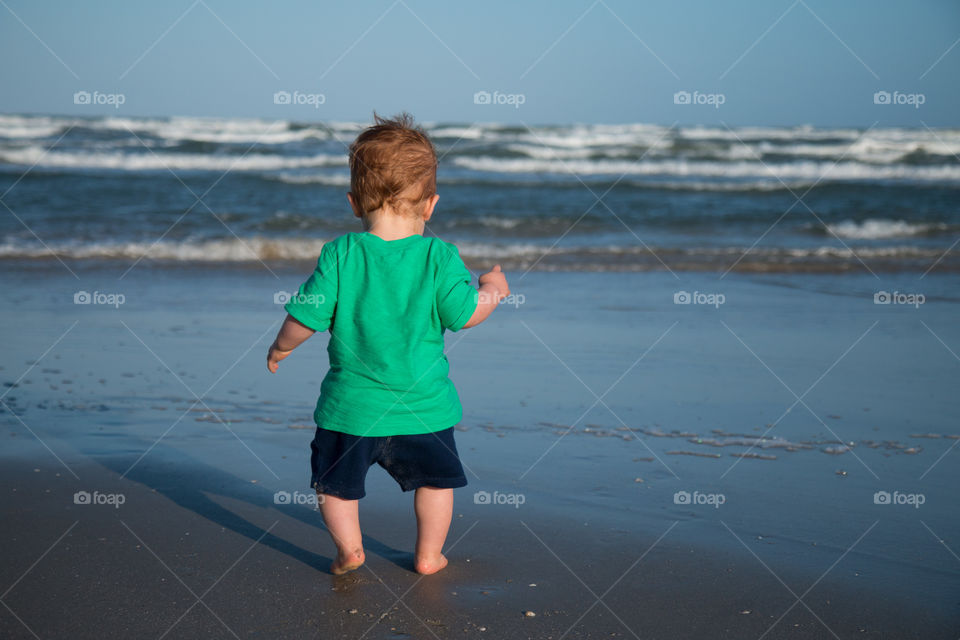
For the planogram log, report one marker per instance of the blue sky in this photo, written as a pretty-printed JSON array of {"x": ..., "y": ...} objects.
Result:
[{"x": 770, "y": 62}]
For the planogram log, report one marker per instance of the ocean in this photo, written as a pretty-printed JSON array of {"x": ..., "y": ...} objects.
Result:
[{"x": 628, "y": 197}]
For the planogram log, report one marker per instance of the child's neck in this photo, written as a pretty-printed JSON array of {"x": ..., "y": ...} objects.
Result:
[{"x": 391, "y": 226}]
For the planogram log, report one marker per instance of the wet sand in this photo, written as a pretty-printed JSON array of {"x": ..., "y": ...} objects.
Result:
[
  {"x": 166, "y": 402},
  {"x": 185, "y": 533}
]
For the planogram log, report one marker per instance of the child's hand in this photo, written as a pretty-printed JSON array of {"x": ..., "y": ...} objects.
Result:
[
  {"x": 274, "y": 356},
  {"x": 292, "y": 334},
  {"x": 495, "y": 278}
]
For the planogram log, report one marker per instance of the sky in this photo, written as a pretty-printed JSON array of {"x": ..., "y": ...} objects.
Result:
[{"x": 735, "y": 63}]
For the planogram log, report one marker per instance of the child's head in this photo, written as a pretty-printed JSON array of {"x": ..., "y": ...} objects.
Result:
[{"x": 393, "y": 165}]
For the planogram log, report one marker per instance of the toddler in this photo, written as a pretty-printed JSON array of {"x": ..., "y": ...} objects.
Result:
[{"x": 387, "y": 295}]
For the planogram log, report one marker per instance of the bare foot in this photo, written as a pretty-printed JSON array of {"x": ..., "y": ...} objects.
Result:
[
  {"x": 346, "y": 562},
  {"x": 426, "y": 566}
]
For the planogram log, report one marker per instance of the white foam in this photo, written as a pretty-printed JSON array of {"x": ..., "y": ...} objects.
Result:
[
  {"x": 875, "y": 229},
  {"x": 252, "y": 249},
  {"x": 859, "y": 252},
  {"x": 336, "y": 180},
  {"x": 482, "y": 250},
  {"x": 13, "y": 126},
  {"x": 266, "y": 136},
  {"x": 882, "y": 146},
  {"x": 876, "y": 148},
  {"x": 223, "y": 250},
  {"x": 176, "y": 129},
  {"x": 724, "y": 185},
  {"x": 811, "y": 170},
  {"x": 598, "y": 149},
  {"x": 552, "y": 153},
  {"x": 38, "y": 156},
  {"x": 233, "y": 132},
  {"x": 467, "y": 133},
  {"x": 227, "y": 250},
  {"x": 28, "y": 132},
  {"x": 766, "y": 133},
  {"x": 577, "y": 136},
  {"x": 846, "y": 253},
  {"x": 500, "y": 223}
]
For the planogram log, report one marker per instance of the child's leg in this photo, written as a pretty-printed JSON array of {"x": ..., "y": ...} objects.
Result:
[
  {"x": 434, "y": 508},
  {"x": 342, "y": 518}
]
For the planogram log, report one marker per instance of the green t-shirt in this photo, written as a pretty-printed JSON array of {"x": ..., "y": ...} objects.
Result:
[{"x": 386, "y": 304}]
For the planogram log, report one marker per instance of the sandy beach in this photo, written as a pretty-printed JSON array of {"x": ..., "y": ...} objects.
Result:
[
  {"x": 193, "y": 532},
  {"x": 633, "y": 485}
]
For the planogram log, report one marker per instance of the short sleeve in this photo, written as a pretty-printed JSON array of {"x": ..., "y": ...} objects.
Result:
[
  {"x": 315, "y": 301},
  {"x": 456, "y": 298}
]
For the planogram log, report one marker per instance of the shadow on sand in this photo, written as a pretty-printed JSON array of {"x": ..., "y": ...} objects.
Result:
[{"x": 189, "y": 482}]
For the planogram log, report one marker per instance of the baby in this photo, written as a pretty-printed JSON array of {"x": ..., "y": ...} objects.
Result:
[{"x": 387, "y": 295}]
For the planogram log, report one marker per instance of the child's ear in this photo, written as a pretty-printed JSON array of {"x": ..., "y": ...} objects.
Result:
[
  {"x": 431, "y": 203},
  {"x": 353, "y": 205}
]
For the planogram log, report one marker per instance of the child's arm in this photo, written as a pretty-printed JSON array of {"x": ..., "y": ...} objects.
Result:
[
  {"x": 291, "y": 335},
  {"x": 493, "y": 288}
]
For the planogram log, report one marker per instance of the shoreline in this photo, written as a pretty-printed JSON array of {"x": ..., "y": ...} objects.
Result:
[{"x": 713, "y": 261}]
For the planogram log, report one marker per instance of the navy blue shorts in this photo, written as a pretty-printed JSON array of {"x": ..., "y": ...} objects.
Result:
[{"x": 340, "y": 461}]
